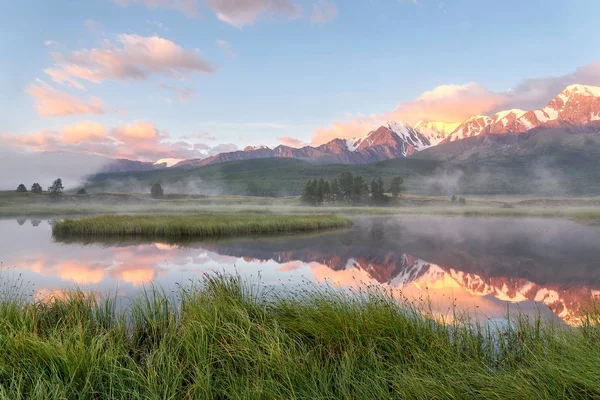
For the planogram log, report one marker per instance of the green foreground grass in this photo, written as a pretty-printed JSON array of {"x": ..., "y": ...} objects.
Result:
[
  {"x": 195, "y": 225},
  {"x": 227, "y": 338}
]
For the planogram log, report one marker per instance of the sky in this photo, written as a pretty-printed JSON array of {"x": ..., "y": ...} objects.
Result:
[{"x": 153, "y": 79}]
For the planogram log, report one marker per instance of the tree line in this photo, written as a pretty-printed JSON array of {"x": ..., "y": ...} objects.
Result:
[
  {"x": 351, "y": 189},
  {"x": 55, "y": 190}
]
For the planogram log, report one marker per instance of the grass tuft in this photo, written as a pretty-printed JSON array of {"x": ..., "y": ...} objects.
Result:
[
  {"x": 197, "y": 225},
  {"x": 230, "y": 338}
]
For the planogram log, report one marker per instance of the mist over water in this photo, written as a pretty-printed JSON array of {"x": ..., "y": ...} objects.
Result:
[{"x": 476, "y": 264}]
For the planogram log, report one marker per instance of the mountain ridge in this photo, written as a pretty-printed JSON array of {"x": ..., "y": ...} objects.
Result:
[{"x": 577, "y": 107}]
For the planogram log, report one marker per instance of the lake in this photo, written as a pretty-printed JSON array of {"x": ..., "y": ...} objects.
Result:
[{"x": 485, "y": 267}]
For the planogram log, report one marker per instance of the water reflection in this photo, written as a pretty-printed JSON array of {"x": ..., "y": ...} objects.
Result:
[{"x": 478, "y": 265}]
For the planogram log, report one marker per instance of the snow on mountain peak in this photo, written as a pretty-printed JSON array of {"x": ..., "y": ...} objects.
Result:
[
  {"x": 435, "y": 131},
  {"x": 502, "y": 114},
  {"x": 585, "y": 90},
  {"x": 250, "y": 148},
  {"x": 169, "y": 161}
]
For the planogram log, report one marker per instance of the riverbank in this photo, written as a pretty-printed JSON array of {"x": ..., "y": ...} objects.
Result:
[
  {"x": 194, "y": 225},
  {"x": 228, "y": 338}
]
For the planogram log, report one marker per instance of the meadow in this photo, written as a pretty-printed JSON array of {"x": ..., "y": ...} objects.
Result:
[
  {"x": 194, "y": 225},
  {"x": 581, "y": 209},
  {"x": 226, "y": 337}
]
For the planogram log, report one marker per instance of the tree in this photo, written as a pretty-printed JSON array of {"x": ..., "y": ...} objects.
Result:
[
  {"x": 21, "y": 189},
  {"x": 309, "y": 194},
  {"x": 453, "y": 199},
  {"x": 378, "y": 191},
  {"x": 336, "y": 195},
  {"x": 327, "y": 192},
  {"x": 82, "y": 191},
  {"x": 396, "y": 186},
  {"x": 36, "y": 188},
  {"x": 57, "y": 188},
  {"x": 462, "y": 201},
  {"x": 359, "y": 189},
  {"x": 346, "y": 186},
  {"x": 157, "y": 191}
]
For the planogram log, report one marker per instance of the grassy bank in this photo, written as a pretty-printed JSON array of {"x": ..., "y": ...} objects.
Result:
[
  {"x": 195, "y": 225},
  {"x": 230, "y": 339}
]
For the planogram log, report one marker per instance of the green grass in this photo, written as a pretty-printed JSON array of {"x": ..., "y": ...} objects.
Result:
[
  {"x": 227, "y": 338},
  {"x": 195, "y": 225}
]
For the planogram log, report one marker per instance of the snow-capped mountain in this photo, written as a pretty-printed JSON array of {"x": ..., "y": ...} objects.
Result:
[
  {"x": 576, "y": 105},
  {"x": 395, "y": 139},
  {"x": 435, "y": 132}
]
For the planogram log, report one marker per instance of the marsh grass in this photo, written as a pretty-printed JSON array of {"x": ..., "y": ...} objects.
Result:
[
  {"x": 231, "y": 338},
  {"x": 194, "y": 225}
]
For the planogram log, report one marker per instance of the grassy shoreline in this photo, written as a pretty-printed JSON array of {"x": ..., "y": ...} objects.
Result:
[
  {"x": 228, "y": 338},
  {"x": 195, "y": 225}
]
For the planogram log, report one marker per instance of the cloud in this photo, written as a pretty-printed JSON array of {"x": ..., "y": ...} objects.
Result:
[
  {"x": 50, "y": 102},
  {"x": 323, "y": 12},
  {"x": 93, "y": 26},
  {"x": 188, "y": 7},
  {"x": 222, "y": 148},
  {"x": 199, "y": 136},
  {"x": 351, "y": 128},
  {"x": 225, "y": 45},
  {"x": 246, "y": 12},
  {"x": 535, "y": 93},
  {"x": 136, "y": 58},
  {"x": 83, "y": 132},
  {"x": 50, "y": 42},
  {"x": 138, "y": 140},
  {"x": 456, "y": 103},
  {"x": 290, "y": 141},
  {"x": 183, "y": 94},
  {"x": 234, "y": 12}
]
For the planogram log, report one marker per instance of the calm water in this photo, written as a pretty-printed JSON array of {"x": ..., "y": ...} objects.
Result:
[{"x": 480, "y": 265}]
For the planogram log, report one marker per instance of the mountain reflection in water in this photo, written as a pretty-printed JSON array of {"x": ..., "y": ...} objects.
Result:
[{"x": 474, "y": 264}]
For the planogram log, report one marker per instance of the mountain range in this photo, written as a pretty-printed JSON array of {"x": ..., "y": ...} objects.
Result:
[
  {"x": 577, "y": 107},
  {"x": 550, "y": 151}
]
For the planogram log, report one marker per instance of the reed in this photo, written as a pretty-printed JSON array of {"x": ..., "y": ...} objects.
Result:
[
  {"x": 195, "y": 225},
  {"x": 231, "y": 338}
]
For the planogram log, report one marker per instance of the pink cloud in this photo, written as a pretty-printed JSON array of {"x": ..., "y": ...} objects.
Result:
[
  {"x": 323, "y": 12},
  {"x": 137, "y": 141},
  {"x": 50, "y": 102},
  {"x": 83, "y": 132},
  {"x": 235, "y": 12},
  {"x": 351, "y": 128},
  {"x": 136, "y": 57},
  {"x": 290, "y": 141},
  {"x": 188, "y": 7},
  {"x": 246, "y": 12}
]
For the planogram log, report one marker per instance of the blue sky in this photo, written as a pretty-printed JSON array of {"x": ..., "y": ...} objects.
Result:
[{"x": 280, "y": 70}]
